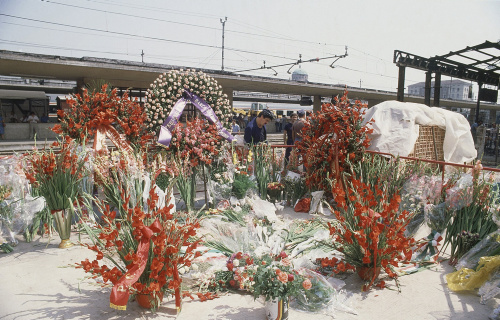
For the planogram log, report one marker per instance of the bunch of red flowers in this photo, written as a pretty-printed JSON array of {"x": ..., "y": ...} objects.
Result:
[
  {"x": 56, "y": 174},
  {"x": 337, "y": 130},
  {"x": 122, "y": 236},
  {"x": 90, "y": 111},
  {"x": 368, "y": 238},
  {"x": 197, "y": 140}
]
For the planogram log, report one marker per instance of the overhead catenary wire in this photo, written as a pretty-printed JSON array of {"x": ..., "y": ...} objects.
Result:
[
  {"x": 142, "y": 37},
  {"x": 281, "y": 37},
  {"x": 296, "y": 63}
]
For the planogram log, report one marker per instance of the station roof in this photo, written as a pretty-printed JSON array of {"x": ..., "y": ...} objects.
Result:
[{"x": 131, "y": 74}]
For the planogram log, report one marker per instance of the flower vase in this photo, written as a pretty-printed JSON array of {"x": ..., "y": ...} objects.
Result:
[
  {"x": 62, "y": 222},
  {"x": 149, "y": 300},
  {"x": 368, "y": 273},
  {"x": 277, "y": 309}
]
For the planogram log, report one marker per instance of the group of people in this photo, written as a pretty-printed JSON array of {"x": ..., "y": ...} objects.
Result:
[
  {"x": 255, "y": 131},
  {"x": 28, "y": 118}
]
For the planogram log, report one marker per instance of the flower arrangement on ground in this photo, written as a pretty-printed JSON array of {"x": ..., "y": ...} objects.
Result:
[
  {"x": 274, "y": 190},
  {"x": 275, "y": 278},
  {"x": 295, "y": 187},
  {"x": 169, "y": 87},
  {"x": 140, "y": 236},
  {"x": 56, "y": 176},
  {"x": 91, "y": 111},
  {"x": 336, "y": 131},
  {"x": 369, "y": 240},
  {"x": 470, "y": 218},
  {"x": 144, "y": 247}
]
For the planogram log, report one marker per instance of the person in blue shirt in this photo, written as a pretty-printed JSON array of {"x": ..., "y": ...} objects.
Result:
[
  {"x": 44, "y": 118},
  {"x": 255, "y": 132}
]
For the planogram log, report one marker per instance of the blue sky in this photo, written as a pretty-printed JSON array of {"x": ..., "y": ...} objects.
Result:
[{"x": 189, "y": 33}]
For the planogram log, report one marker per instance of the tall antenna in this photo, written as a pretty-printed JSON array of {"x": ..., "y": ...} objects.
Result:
[{"x": 223, "y": 25}]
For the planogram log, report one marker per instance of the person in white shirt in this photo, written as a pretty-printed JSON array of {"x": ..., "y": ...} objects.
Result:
[{"x": 32, "y": 120}]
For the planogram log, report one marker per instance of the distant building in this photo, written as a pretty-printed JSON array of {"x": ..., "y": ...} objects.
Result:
[
  {"x": 300, "y": 75},
  {"x": 450, "y": 89}
]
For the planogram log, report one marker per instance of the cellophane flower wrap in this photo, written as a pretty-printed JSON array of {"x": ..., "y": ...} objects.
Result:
[
  {"x": 368, "y": 237},
  {"x": 56, "y": 175},
  {"x": 337, "y": 130}
]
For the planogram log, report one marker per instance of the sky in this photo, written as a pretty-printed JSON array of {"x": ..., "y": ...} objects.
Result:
[{"x": 189, "y": 34}]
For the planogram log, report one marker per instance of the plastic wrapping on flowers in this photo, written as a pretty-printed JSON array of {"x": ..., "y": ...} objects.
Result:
[
  {"x": 490, "y": 288},
  {"x": 321, "y": 297},
  {"x": 17, "y": 208},
  {"x": 17, "y": 214},
  {"x": 489, "y": 246},
  {"x": 219, "y": 191}
]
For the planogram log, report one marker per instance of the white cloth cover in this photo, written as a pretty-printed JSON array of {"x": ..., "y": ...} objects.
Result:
[{"x": 396, "y": 128}]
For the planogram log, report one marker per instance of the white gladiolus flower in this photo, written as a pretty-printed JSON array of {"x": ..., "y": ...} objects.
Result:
[{"x": 236, "y": 262}]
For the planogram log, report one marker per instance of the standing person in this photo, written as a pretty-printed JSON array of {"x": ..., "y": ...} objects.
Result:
[
  {"x": 32, "y": 120},
  {"x": 245, "y": 119},
  {"x": 240, "y": 121},
  {"x": 235, "y": 128},
  {"x": 255, "y": 132},
  {"x": 298, "y": 125},
  {"x": 2, "y": 127},
  {"x": 277, "y": 124},
  {"x": 297, "y": 130},
  {"x": 287, "y": 137}
]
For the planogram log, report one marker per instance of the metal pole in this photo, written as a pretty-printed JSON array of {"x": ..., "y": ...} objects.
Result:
[
  {"x": 401, "y": 84},
  {"x": 478, "y": 101},
  {"x": 427, "y": 96},
  {"x": 223, "y": 26},
  {"x": 437, "y": 88}
]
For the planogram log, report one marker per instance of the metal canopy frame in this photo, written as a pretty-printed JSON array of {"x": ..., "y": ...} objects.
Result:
[{"x": 480, "y": 63}]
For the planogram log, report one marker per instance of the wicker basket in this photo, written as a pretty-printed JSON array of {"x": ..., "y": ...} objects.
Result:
[{"x": 429, "y": 144}]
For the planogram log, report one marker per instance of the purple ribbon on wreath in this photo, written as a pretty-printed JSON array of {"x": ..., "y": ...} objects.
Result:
[{"x": 173, "y": 118}]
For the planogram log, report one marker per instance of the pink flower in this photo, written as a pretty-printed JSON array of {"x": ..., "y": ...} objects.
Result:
[{"x": 306, "y": 284}]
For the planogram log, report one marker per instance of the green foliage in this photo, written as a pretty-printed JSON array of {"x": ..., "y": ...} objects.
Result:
[{"x": 241, "y": 184}]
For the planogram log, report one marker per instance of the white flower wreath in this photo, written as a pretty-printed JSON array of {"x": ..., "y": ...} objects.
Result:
[{"x": 169, "y": 87}]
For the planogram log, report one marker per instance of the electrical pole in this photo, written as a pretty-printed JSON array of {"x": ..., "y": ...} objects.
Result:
[
  {"x": 142, "y": 56},
  {"x": 223, "y": 25}
]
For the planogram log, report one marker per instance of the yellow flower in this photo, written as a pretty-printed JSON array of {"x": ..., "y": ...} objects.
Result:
[
  {"x": 250, "y": 156},
  {"x": 235, "y": 159}
]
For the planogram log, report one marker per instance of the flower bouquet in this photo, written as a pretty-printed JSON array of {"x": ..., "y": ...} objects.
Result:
[
  {"x": 274, "y": 190},
  {"x": 56, "y": 177},
  {"x": 337, "y": 131},
  {"x": 145, "y": 248},
  {"x": 369, "y": 240},
  {"x": 105, "y": 109},
  {"x": 276, "y": 280}
]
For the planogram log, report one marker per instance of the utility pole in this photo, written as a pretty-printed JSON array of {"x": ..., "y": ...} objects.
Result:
[
  {"x": 142, "y": 56},
  {"x": 223, "y": 25},
  {"x": 360, "y": 83}
]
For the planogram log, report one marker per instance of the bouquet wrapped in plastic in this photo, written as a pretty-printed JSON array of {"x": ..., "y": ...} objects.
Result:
[
  {"x": 489, "y": 246},
  {"x": 322, "y": 297}
]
